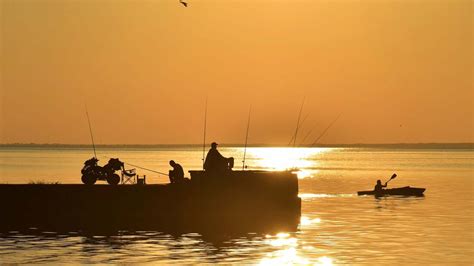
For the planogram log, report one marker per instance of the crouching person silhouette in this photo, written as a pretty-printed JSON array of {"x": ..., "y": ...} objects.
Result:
[{"x": 177, "y": 174}]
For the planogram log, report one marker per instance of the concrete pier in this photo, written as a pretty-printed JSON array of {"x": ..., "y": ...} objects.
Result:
[{"x": 241, "y": 200}]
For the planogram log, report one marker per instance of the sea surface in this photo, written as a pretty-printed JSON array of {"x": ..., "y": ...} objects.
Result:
[{"x": 336, "y": 227}]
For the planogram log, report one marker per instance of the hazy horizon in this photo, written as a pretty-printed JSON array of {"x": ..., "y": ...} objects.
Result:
[
  {"x": 461, "y": 145},
  {"x": 396, "y": 71}
]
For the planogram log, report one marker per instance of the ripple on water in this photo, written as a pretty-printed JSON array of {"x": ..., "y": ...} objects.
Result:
[{"x": 336, "y": 225}]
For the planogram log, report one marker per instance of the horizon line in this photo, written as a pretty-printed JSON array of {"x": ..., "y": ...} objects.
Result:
[{"x": 438, "y": 144}]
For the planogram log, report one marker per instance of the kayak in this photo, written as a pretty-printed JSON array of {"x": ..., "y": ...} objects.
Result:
[{"x": 402, "y": 191}]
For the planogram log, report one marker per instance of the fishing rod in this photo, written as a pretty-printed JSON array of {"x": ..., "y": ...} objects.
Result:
[
  {"x": 90, "y": 131},
  {"x": 140, "y": 167},
  {"x": 298, "y": 122},
  {"x": 204, "y": 138},
  {"x": 246, "y": 138},
  {"x": 325, "y": 130},
  {"x": 300, "y": 126},
  {"x": 306, "y": 136}
]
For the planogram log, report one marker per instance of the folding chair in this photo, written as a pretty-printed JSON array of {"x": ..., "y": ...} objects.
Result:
[{"x": 129, "y": 176}]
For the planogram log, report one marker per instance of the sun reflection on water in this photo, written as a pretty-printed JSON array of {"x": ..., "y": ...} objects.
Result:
[
  {"x": 288, "y": 158},
  {"x": 284, "y": 257},
  {"x": 304, "y": 174},
  {"x": 288, "y": 254},
  {"x": 282, "y": 239},
  {"x": 307, "y": 221},
  {"x": 324, "y": 261}
]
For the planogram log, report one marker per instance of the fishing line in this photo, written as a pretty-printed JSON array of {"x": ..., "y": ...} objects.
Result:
[{"x": 140, "y": 167}]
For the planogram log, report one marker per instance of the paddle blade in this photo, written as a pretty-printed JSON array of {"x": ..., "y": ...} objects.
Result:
[{"x": 393, "y": 176}]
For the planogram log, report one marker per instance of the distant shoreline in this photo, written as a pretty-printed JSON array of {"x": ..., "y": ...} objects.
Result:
[{"x": 151, "y": 146}]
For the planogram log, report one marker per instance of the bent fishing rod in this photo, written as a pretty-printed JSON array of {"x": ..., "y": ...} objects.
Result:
[{"x": 95, "y": 155}]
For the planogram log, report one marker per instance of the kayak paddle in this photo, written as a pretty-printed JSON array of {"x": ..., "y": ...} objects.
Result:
[{"x": 393, "y": 177}]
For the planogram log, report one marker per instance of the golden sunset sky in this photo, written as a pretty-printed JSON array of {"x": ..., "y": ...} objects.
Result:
[{"x": 397, "y": 71}]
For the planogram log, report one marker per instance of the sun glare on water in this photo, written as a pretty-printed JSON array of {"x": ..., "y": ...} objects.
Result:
[
  {"x": 288, "y": 253},
  {"x": 288, "y": 158},
  {"x": 307, "y": 221}
]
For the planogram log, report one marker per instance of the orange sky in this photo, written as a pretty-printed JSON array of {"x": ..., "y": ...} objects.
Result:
[{"x": 397, "y": 71}]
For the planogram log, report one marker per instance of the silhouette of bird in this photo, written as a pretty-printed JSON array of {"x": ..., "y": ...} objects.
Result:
[{"x": 184, "y": 3}]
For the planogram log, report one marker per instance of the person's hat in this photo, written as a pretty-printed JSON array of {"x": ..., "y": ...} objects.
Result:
[{"x": 214, "y": 144}]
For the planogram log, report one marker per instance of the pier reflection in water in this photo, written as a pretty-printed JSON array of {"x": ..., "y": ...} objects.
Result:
[
  {"x": 151, "y": 246},
  {"x": 336, "y": 226}
]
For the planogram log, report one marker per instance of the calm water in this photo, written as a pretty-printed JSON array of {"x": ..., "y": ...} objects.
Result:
[{"x": 337, "y": 226}]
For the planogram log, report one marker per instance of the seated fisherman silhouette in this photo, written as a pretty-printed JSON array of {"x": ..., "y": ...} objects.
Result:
[
  {"x": 177, "y": 174},
  {"x": 379, "y": 187},
  {"x": 215, "y": 162}
]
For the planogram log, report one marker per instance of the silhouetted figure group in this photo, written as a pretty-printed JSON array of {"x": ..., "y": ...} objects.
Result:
[{"x": 214, "y": 164}]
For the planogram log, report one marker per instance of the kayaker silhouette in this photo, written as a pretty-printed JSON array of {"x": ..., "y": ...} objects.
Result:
[
  {"x": 402, "y": 191},
  {"x": 379, "y": 187},
  {"x": 215, "y": 162}
]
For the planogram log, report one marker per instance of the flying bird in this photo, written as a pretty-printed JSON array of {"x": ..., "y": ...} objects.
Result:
[{"x": 184, "y": 3}]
